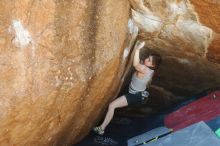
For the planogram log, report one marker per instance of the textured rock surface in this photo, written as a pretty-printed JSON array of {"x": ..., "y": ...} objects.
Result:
[
  {"x": 60, "y": 63},
  {"x": 186, "y": 33},
  {"x": 208, "y": 12}
]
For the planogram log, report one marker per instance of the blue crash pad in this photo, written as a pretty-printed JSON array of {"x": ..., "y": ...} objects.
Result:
[
  {"x": 198, "y": 134},
  {"x": 214, "y": 124},
  {"x": 150, "y": 135}
]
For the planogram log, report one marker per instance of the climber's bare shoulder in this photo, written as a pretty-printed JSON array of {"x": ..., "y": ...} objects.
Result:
[{"x": 140, "y": 68}]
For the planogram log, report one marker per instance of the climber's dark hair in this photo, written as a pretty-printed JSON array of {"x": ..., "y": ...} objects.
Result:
[{"x": 156, "y": 60}]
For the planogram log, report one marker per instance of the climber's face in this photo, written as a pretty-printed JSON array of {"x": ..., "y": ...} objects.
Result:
[{"x": 148, "y": 62}]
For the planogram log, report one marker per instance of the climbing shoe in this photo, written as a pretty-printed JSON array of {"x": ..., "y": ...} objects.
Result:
[{"x": 98, "y": 130}]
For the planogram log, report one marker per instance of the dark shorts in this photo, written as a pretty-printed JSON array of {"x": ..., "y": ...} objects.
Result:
[{"x": 135, "y": 99}]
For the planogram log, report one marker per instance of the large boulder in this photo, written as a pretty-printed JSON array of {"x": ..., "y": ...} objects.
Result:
[
  {"x": 60, "y": 63},
  {"x": 186, "y": 33},
  {"x": 208, "y": 13}
]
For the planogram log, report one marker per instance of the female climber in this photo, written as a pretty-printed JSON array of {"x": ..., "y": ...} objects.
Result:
[{"x": 137, "y": 88}]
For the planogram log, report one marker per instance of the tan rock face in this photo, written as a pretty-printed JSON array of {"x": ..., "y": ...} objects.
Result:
[
  {"x": 60, "y": 63},
  {"x": 186, "y": 33},
  {"x": 208, "y": 12}
]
